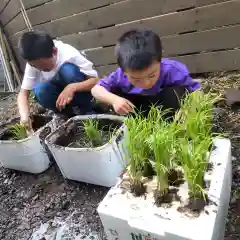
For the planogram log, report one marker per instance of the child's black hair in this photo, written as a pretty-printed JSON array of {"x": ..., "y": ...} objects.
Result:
[
  {"x": 137, "y": 49},
  {"x": 35, "y": 45}
]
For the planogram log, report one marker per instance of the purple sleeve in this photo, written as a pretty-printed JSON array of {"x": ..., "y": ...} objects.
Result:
[
  {"x": 181, "y": 77},
  {"x": 110, "y": 82}
]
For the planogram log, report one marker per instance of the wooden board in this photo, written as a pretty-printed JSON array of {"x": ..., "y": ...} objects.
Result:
[
  {"x": 190, "y": 20},
  {"x": 113, "y": 14},
  {"x": 3, "y": 3},
  {"x": 102, "y": 56},
  {"x": 163, "y": 25},
  {"x": 222, "y": 14},
  {"x": 21, "y": 61},
  {"x": 15, "y": 38},
  {"x": 33, "y": 3},
  {"x": 195, "y": 19},
  {"x": 16, "y": 25},
  {"x": 106, "y": 70},
  {"x": 62, "y": 8},
  {"x": 208, "y": 2},
  {"x": 198, "y": 63},
  {"x": 70, "y": 23},
  {"x": 211, "y": 40},
  {"x": 11, "y": 10},
  {"x": 212, "y": 62}
]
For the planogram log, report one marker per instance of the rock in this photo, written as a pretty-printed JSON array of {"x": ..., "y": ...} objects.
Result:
[{"x": 232, "y": 96}]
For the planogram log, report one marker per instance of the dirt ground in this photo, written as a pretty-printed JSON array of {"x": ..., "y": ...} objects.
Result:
[{"x": 48, "y": 207}]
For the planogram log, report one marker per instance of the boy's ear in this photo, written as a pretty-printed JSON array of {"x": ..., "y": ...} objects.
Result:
[{"x": 55, "y": 50}]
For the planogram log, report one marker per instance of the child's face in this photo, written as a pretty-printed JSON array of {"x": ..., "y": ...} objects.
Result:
[
  {"x": 45, "y": 64},
  {"x": 145, "y": 78}
]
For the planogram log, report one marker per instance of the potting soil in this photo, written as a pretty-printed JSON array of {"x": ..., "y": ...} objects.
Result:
[
  {"x": 177, "y": 192},
  {"x": 38, "y": 121},
  {"x": 48, "y": 206},
  {"x": 73, "y": 135}
]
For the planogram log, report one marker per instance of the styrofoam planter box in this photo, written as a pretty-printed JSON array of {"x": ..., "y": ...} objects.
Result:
[
  {"x": 27, "y": 155},
  {"x": 100, "y": 166},
  {"x": 130, "y": 218}
]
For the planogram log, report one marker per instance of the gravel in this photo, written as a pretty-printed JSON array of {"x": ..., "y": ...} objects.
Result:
[{"x": 46, "y": 206}]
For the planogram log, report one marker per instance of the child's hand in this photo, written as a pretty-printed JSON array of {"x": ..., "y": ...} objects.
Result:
[
  {"x": 65, "y": 97},
  {"x": 122, "y": 106},
  {"x": 27, "y": 123}
]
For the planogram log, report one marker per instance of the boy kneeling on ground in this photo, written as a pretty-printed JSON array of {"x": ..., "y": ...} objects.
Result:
[
  {"x": 144, "y": 78},
  {"x": 60, "y": 77}
]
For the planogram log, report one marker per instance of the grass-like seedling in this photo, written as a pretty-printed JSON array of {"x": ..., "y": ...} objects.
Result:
[
  {"x": 194, "y": 161},
  {"x": 196, "y": 121},
  {"x": 196, "y": 114},
  {"x": 137, "y": 146},
  {"x": 18, "y": 132},
  {"x": 163, "y": 144},
  {"x": 91, "y": 129},
  {"x": 184, "y": 143}
]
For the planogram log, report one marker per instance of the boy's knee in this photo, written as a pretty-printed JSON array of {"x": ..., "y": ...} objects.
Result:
[
  {"x": 40, "y": 90},
  {"x": 70, "y": 73},
  {"x": 46, "y": 94}
]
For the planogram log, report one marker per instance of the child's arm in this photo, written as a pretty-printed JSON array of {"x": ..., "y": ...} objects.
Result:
[
  {"x": 23, "y": 105},
  {"x": 66, "y": 96},
  {"x": 103, "y": 95},
  {"x": 102, "y": 92},
  {"x": 29, "y": 79},
  {"x": 120, "y": 105},
  {"x": 86, "y": 67}
]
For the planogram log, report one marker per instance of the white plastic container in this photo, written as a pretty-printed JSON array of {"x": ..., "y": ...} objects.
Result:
[
  {"x": 100, "y": 166},
  {"x": 27, "y": 155},
  {"x": 129, "y": 218}
]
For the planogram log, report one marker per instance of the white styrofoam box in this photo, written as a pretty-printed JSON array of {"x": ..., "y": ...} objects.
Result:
[
  {"x": 100, "y": 166},
  {"x": 27, "y": 155},
  {"x": 130, "y": 218}
]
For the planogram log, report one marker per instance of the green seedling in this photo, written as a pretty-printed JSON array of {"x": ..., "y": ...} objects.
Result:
[
  {"x": 18, "y": 132},
  {"x": 194, "y": 161},
  {"x": 163, "y": 144},
  {"x": 183, "y": 142},
  {"x": 196, "y": 114},
  {"x": 138, "y": 150},
  {"x": 91, "y": 128},
  {"x": 196, "y": 118}
]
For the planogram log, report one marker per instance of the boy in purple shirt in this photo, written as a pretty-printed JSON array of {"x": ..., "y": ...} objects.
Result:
[{"x": 144, "y": 78}]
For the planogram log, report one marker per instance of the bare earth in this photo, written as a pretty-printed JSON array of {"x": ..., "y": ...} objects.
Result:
[{"x": 48, "y": 207}]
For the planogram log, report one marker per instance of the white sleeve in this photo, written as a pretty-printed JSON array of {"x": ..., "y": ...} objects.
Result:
[
  {"x": 30, "y": 77},
  {"x": 85, "y": 65}
]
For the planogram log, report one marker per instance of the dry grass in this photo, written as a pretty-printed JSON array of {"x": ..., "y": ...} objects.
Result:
[
  {"x": 229, "y": 122},
  {"x": 218, "y": 83}
]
